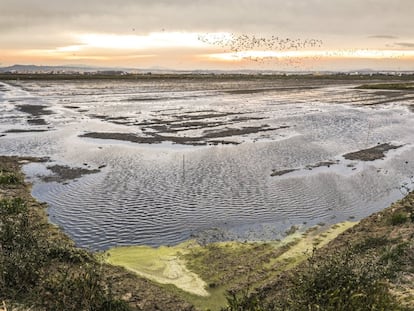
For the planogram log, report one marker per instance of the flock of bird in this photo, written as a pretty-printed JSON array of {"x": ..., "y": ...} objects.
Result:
[
  {"x": 281, "y": 51},
  {"x": 237, "y": 43}
]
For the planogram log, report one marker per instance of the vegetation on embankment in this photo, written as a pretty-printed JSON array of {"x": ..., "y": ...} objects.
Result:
[
  {"x": 41, "y": 269},
  {"x": 388, "y": 86},
  {"x": 203, "y": 76},
  {"x": 368, "y": 267}
]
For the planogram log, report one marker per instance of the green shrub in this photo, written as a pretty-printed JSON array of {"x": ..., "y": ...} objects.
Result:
[
  {"x": 7, "y": 178},
  {"x": 399, "y": 257},
  {"x": 46, "y": 273},
  {"x": 398, "y": 219},
  {"x": 73, "y": 289},
  {"x": 68, "y": 254},
  {"x": 244, "y": 301},
  {"x": 21, "y": 257},
  {"x": 340, "y": 281},
  {"x": 370, "y": 243}
]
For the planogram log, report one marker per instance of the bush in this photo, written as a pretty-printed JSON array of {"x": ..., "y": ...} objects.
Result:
[
  {"x": 340, "y": 281},
  {"x": 73, "y": 289},
  {"x": 7, "y": 178},
  {"x": 398, "y": 219},
  {"x": 48, "y": 274},
  {"x": 371, "y": 243},
  {"x": 21, "y": 258},
  {"x": 244, "y": 301}
]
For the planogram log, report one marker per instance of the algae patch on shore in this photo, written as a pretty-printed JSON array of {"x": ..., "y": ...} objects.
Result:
[
  {"x": 162, "y": 265},
  {"x": 204, "y": 274},
  {"x": 311, "y": 239}
]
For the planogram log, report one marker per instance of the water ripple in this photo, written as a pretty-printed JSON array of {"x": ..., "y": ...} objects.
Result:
[{"x": 163, "y": 194}]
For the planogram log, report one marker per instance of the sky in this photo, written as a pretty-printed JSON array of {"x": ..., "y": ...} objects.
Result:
[{"x": 214, "y": 34}]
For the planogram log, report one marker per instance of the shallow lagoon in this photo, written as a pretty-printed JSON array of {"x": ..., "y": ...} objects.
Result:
[{"x": 219, "y": 185}]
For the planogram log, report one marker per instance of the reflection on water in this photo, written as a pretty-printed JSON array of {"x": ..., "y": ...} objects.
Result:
[{"x": 164, "y": 193}]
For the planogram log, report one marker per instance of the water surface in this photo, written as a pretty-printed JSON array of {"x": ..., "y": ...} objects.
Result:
[{"x": 221, "y": 186}]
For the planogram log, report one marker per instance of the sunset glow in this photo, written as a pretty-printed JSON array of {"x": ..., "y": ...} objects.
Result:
[
  {"x": 362, "y": 54},
  {"x": 260, "y": 34},
  {"x": 107, "y": 47}
]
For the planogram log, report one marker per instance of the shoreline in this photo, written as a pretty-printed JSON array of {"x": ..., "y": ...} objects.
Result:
[
  {"x": 177, "y": 265},
  {"x": 55, "y": 253},
  {"x": 216, "y": 268}
]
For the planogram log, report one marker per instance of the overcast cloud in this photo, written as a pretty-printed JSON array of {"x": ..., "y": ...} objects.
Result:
[{"x": 307, "y": 17}]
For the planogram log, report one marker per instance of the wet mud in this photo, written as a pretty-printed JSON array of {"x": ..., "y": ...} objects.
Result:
[
  {"x": 63, "y": 173},
  {"x": 208, "y": 137},
  {"x": 371, "y": 154},
  {"x": 26, "y": 130},
  {"x": 36, "y": 112}
]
